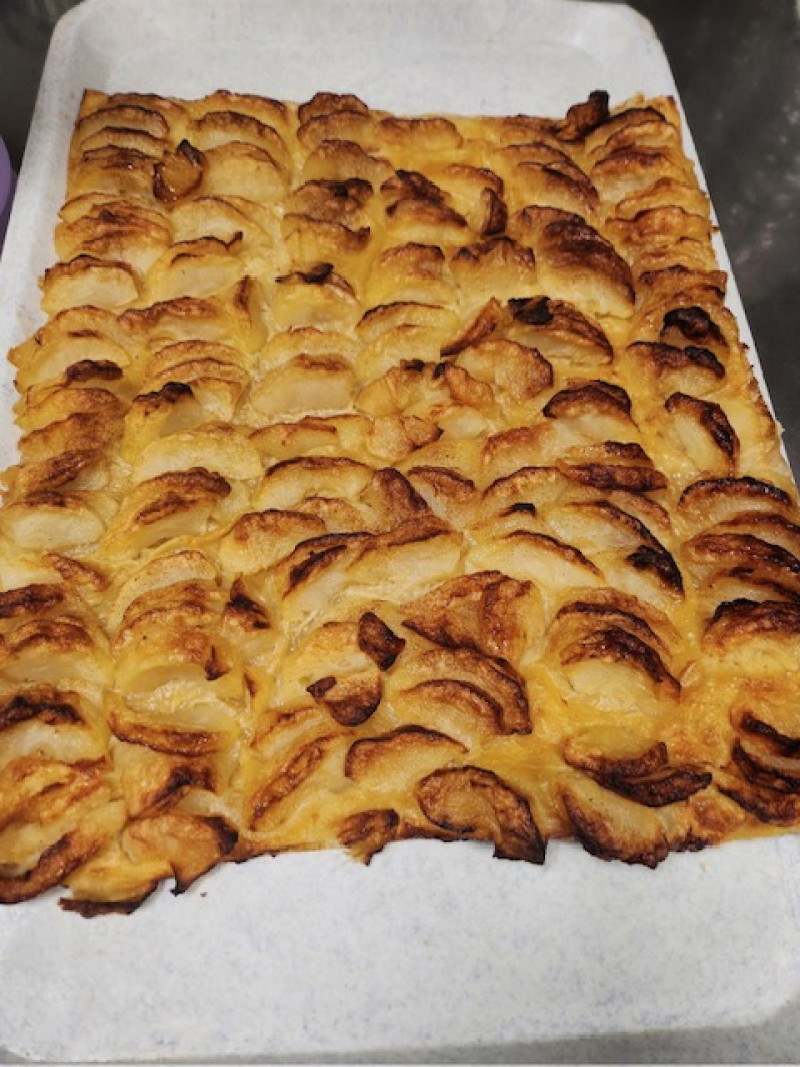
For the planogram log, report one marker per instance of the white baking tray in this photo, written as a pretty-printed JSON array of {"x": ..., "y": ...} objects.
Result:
[{"x": 433, "y": 947}]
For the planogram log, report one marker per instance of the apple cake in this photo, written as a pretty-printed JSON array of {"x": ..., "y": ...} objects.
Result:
[{"x": 386, "y": 477}]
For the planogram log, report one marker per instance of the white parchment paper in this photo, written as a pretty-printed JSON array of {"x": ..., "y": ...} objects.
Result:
[{"x": 433, "y": 946}]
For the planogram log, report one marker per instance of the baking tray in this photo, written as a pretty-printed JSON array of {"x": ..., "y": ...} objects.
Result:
[{"x": 435, "y": 946}]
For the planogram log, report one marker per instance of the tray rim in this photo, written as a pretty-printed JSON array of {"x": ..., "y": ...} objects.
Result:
[{"x": 65, "y": 38}]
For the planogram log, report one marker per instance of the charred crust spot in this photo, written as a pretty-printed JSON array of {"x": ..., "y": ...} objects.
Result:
[
  {"x": 671, "y": 358},
  {"x": 319, "y": 274},
  {"x": 223, "y": 839},
  {"x": 533, "y": 311},
  {"x": 55, "y": 635},
  {"x": 367, "y": 832},
  {"x": 90, "y": 909},
  {"x": 488, "y": 681},
  {"x": 561, "y": 320},
  {"x": 413, "y": 529},
  {"x": 428, "y": 209},
  {"x": 313, "y": 463},
  {"x": 469, "y": 699},
  {"x": 245, "y": 609},
  {"x": 168, "y": 504},
  {"x": 50, "y": 499},
  {"x": 377, "y": 641},
  {"x": 181, "y": 778},
  {"x": 569, "y": 552},
  {"x": 582, "y": 118},
  {"x": 744, "y": 488},
  {"x": 111, "y": 158},
  {"x": 595, "y": 394},
  {"x": 744, "y": 549},
  {"x": 43, "y": 703},
  {"x": 402, "y": 498},
  {"x": 605, "y": 767},
  {"x": 657, "y": 792},
  {"x": 167, "y": 740},
  {"x": 691, "y": 841},
  {"x": 694, "y": 323},
  {"x": 625, "y": 451},
  {"x": 183, "y": 308},
  {"x": 32, "y": 599},
  {"x": 170, "y": 392},
  {"x": 660, "y": 563},
  {"x": 578, "y": 243},
  {"x": 350, "y": 187},
  {"x": 87, "y": 369},
  {"x": 243, "y": 293},
  {"x": 481, "y": 327},
  {"x": 495, "y": 217},
  {"x": 443, "y": 480},
  {"x": 225, "y": 834},
  {"x": 743, "y": 618},
  {"x": 781, "y": 743},
  {"x": 319, "y": 688},
  {"x": 411, "y": 185},
  {"x": 705, "y": 358},
  {"x": 250, "y": 612},
  {"x": 621, "y": 518},
  {"x": 123, "y": 111},
  {"x": 766, "y": 773},
  {"x": 64, "y": 468},
  {"x": 300, "y": 767},
  {"x": 349, "y": 701},
  {"x": 363, "y": 753},
  {"x": 326, "y": 103},
  {"x": 616, "y": 645},
  {"x": 335, "y": 201},
  {"x": 181, "y": 491},
  {"x": 439, "y": 615},
  {"x": 215, "y": 667},
  {"x": 608, "y": 476},
  {"x": 682, "y": 276},
  {"x": 767, "y": 805},
  {"x": 711, "y": 417},
  {"x": 313, "y": 563},
  {"x": 416, "y": 365},
  {"x": 54, "y": 865},
  {"x": 499, "y": 248},
  {"x": 616, "y": 615},
  {"x": 632, "y": 116}
]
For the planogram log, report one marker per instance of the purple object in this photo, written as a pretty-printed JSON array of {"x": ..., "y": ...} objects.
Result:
[{"x": 7, "y": 180}]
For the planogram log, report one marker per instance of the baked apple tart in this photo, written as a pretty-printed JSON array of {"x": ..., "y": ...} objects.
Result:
[{"x": 386, "y": 477}]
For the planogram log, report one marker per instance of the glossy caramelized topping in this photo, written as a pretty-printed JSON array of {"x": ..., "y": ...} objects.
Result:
[{"x": 386, "y": 477}]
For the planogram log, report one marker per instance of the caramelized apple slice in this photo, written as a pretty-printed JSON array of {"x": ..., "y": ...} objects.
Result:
[
  {"x": 178, "y": 174},
  {"x": 613, "y": 827},
  {"x": 474, "y": 803}
]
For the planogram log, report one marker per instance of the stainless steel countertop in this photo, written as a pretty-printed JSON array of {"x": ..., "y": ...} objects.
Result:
[{"x": 737, "y": 67}]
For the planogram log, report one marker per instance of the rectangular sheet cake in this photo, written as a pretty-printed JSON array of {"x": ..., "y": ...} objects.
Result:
[{"x": 386, "y": 477}]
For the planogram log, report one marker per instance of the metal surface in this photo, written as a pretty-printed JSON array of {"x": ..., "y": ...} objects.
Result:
[{"x": 737, "y": 66}]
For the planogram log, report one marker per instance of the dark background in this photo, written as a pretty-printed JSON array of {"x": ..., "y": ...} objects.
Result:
[{"x": 737, "y": 67}]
